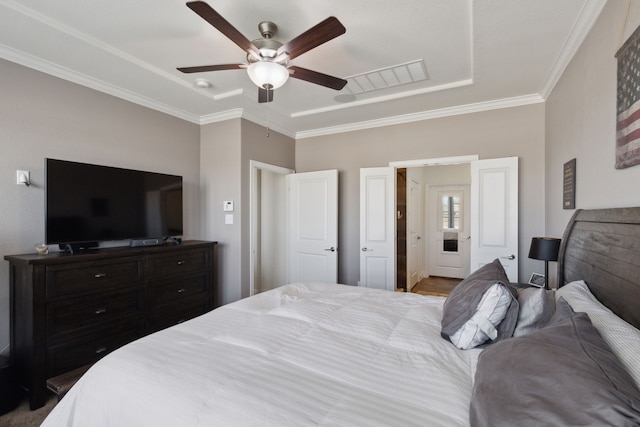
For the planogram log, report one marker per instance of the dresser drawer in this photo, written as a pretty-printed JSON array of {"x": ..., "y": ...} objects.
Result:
[
  {"x": 88, "y": 349},
  {"x": 84, "y": 277},
  {"x": 172, "y": 315},
  {"x": 73, "y": 316},
  {"x": 175, "y": 291},
  {"x": 161, "y": 266}
]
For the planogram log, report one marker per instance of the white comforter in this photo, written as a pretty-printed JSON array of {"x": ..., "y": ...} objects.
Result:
[{"x": 300, "y": 355}]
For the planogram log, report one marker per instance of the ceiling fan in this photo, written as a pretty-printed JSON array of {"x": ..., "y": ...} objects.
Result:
[{"x": 268, "y": 60}]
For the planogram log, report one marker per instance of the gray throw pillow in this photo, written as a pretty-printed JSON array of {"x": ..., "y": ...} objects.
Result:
[
  {"x": 462, "y": 304},
  {"x": 537, "y": 306},
  {"x": 561, "y": 375}
]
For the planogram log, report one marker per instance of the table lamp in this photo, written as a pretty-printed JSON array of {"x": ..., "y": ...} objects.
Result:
[{"x": 545, "y": 249}]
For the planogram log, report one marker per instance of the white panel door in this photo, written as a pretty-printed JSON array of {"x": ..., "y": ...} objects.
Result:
[
  {"x": 447, "y": 222},
  {"x": 494, "y": 214},
  {"x": 313, "y": 227},
  {"x": 377, "y": 228}
]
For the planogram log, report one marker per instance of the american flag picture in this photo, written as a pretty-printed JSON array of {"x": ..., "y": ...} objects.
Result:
[{"x": 628, "y": 109}]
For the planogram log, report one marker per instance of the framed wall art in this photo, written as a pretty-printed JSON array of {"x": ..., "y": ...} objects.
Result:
[
  {"x": 569, "y": 185},
  {"x": 628, "y": 103}
]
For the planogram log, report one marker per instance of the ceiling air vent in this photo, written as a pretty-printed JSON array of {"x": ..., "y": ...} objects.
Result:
[{"x": 384, "y": 78}]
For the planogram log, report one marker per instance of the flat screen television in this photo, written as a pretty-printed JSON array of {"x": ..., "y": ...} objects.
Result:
[{"x": 86, "y": 204}]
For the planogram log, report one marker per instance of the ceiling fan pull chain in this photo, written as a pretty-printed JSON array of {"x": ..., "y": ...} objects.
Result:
[{"x": 267, "y": 105}]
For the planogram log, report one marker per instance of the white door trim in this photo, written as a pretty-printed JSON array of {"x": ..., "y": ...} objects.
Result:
[{"x": 434, "y": 162}]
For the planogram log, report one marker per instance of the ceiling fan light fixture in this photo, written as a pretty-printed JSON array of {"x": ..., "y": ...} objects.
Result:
[{"x": 267, "y": 74}]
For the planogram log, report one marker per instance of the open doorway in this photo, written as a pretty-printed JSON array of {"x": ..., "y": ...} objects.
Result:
[
  {"x": 268, "y": 222},
  {"x": 432, "y": 222}
]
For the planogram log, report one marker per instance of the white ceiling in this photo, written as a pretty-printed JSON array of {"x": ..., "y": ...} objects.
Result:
[{"x": 478, "y": 55}]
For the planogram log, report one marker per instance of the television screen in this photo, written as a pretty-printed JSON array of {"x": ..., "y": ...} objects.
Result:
[{"x": 87, "y": 203}]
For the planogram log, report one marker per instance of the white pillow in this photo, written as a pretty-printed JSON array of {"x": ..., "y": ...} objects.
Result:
[
  {"x": 623, "y": 338},
  {"x": 481, "y": 327}
]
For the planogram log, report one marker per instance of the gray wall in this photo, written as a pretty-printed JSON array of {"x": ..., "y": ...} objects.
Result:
[
  {"x": 226, "y": 151},
  {"x": 220, "y": 177},
  {"x": 491, "y": 134},
  {"x": 581, "y": 123},
  {"x": 43, "y": 116}
]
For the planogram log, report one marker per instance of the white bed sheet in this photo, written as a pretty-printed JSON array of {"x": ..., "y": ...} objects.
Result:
[{"x": 300, "y": 355}]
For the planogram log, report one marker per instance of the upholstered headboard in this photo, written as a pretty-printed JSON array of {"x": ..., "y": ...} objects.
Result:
[{"x": 602, "y": 247}]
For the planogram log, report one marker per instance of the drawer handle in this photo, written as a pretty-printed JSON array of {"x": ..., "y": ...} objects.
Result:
[
  {"x": 100, "y": 275},
  {"x": 101, "y": 311},
  {"x": 101, "y": 350},
  {"x": 182, "y": 262},
  {"x": 181, "y": 290}
]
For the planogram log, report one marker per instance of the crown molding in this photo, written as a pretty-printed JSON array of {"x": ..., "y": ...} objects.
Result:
[
  {"x": 235, "y": 113},
  {"x": 240, "y": 113},
  {"x": 84, "y": 80},
  {"x": 56, "y": 70},
  {"x": 264, "y": 122},
  {"x": 425, "y": 115},
  {"x": 588, "y": 16}
]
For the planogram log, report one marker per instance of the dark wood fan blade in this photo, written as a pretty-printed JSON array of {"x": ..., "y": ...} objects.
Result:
[
  {"x": 265, "y": 95},
  {"x": 207, "y": 13},
  {"x": 317, "y": 78},
  {"x": 328, "y": 29},
  {"x": 204, "y": 68}
]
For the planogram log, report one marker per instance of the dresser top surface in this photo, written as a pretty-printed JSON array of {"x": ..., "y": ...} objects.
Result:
[{"x": 102, "y": 253}]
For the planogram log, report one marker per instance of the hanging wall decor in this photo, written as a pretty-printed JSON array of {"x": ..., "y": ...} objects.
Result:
[
  {"x": 569, "y": 185},
  {"x": 628, "y": 104}
]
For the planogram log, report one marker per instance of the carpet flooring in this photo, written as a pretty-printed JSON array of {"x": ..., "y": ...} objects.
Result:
[{"x": 23, "y": 417}]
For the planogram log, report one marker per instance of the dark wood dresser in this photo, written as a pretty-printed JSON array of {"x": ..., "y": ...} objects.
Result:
[{"x": 69, "y": 310}]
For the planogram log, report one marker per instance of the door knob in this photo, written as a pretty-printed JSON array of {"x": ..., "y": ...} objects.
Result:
[
  {"x": 365, "y": 249},
  {"x": 331, "y": 249},
  {"x": 511, "y": 257}
]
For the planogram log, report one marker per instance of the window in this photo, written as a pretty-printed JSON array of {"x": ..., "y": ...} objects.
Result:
[{"x": 450, "y": 219}]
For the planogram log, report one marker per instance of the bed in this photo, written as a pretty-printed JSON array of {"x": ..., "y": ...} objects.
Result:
[{"x": 324, "y": 354}]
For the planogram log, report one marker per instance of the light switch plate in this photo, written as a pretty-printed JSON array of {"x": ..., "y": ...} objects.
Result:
[{"x": 228, "y": 219}]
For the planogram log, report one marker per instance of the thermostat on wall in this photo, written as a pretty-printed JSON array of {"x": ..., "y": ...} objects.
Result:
[{"x": 227, "y": 206}]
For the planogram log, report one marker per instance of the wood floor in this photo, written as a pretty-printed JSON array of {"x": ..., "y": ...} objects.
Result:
[{"x": 434, "y": 285}]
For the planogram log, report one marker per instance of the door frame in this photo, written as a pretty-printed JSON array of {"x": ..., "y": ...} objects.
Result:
[
  {"x": 439, "y": 161},
  {"x": 254, "y": 167}
]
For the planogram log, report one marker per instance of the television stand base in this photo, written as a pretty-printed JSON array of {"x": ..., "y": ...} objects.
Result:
[
  {"x": 72, "y": 248},
  {"x": 135, "y": 243}
]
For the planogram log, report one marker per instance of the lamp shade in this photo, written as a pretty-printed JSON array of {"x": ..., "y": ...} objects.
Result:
[
  {"x": 267, "y": 74},
  {"x": 544, "y": 248}
]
